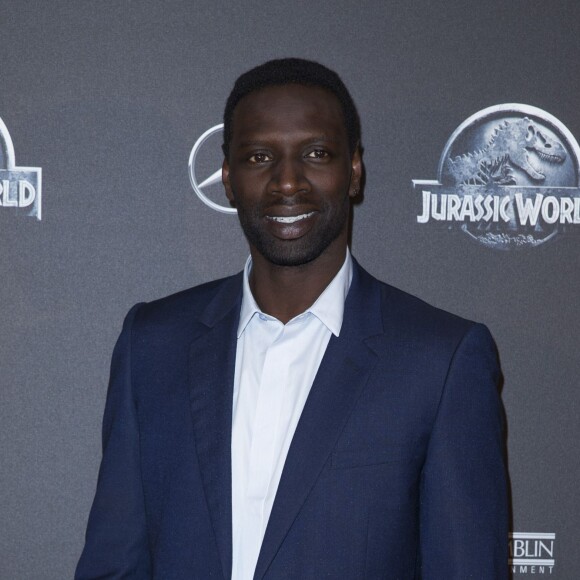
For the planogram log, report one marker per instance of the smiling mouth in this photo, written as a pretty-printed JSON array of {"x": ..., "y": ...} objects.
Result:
[{"x": 290, "y": 219}]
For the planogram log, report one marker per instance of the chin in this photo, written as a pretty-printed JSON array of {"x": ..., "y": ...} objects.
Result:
[{"x": 289, "y": 253}]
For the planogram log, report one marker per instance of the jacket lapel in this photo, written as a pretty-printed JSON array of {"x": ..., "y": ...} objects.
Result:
[
  {"x": 212, "y": 367},
  {"x": 343, "y": 372}
]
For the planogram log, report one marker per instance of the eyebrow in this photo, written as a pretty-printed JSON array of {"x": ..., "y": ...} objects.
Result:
[{"x": 305, "y": 141}]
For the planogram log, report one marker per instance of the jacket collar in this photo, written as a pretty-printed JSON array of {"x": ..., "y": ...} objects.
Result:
[{"x": 345, "y": 369}]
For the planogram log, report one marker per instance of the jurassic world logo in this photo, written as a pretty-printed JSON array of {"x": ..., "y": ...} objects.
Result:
[
  {"x": 20, "y": 187},
  {"x": 509, "y": 177}
]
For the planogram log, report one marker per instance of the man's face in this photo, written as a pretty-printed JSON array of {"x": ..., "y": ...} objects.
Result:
[{"x": 290, "y": 173}]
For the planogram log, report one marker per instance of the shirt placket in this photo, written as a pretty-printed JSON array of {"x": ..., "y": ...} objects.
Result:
[{"x": 265, "y": 429}]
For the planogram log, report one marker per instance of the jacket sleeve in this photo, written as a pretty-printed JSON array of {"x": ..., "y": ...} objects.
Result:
[
  {"x": 116, "y": 538},
  {"x": 464, "y": 512}
]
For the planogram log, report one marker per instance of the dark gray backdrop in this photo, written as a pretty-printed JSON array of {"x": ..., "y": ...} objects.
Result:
[{"x": 109, "y": 97}]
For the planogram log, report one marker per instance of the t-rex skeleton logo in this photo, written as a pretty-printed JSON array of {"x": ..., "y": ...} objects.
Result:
[
  {"x": 510, "y": 145},
  {"x": 509, "y": 177}
]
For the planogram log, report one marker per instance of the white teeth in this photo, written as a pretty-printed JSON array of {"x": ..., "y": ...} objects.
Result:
[{"x": 290, "y": 219}]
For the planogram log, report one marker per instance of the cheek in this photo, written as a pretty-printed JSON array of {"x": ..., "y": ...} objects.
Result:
[
  {"x": 337, "y": 180},
  {"x": 334, "y": 189},
  {"x": 244, "y": 190}
]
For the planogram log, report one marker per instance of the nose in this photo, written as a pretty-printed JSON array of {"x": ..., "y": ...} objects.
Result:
[{"x": 288, "y": 177}]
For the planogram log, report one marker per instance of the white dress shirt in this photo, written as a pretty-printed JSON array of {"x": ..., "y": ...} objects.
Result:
[{"x": 275, "y": 368}]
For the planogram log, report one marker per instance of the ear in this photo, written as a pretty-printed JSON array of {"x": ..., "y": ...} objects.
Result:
[
  {"x": 355, "y": 176},
  {"x": 226, "y": 182}
]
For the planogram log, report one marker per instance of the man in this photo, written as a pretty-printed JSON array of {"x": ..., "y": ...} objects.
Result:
[{"x": 300, "y": 420}]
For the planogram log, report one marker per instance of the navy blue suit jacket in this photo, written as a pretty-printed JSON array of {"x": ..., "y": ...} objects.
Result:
[{"x": 395, "y": 470}]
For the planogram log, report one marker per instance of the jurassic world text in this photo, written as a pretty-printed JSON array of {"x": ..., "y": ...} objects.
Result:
[{"x": 516, "y": 209}]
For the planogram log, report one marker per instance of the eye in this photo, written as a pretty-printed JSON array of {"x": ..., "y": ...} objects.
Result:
[
  {"x": 318, "y": 154},
  {"x": 259, "y": 158}
]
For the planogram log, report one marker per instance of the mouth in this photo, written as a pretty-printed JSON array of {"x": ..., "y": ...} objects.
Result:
[
  {"x": 291, "y": 227},
  {"x": 290, "y": 219}
]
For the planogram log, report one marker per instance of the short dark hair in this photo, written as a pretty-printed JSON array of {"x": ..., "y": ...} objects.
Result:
[{"x": 286, "y": 71}]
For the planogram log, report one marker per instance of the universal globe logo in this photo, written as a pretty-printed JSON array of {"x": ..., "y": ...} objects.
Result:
[
  {"x": 20, "y": 187},
  {"x": 508, "y": 177}
]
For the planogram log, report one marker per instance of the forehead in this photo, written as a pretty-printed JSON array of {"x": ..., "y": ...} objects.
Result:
[{"x": 288, "y": 108}]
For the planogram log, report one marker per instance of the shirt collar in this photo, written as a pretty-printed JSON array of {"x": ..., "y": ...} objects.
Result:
[{"x": 328, "y": 308}]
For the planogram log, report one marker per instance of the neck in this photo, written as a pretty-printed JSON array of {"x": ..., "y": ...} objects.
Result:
[{"x": 286, "y": 291}]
